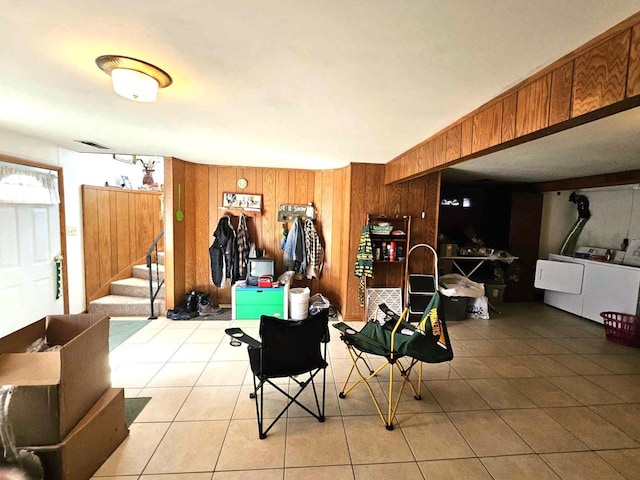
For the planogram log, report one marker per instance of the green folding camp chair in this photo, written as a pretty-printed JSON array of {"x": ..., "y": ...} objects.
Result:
[{"x": 402, "y": 345}]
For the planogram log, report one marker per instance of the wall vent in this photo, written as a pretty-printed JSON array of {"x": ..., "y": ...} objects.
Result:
[{"x": 92, "y": 144}]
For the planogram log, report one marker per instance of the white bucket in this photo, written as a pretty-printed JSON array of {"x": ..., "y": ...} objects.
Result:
[{"x": 299, "y": 303}]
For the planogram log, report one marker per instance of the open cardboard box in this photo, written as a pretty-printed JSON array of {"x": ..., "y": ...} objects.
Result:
[
  {"x": 90, "y": 442},
  {"x": 55, "y": 389}
]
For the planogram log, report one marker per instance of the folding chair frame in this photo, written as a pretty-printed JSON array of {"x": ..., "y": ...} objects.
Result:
[
  {"x": 392, "y": 359},
  {"x": 261, "y": 380}
]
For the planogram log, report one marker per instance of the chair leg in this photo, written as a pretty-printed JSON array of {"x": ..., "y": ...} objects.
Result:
[
  {"x": 258, "y": 391},
  {"x": 324, "y": 383},
  {"x": 355, "y": 357},
  {"x": 319, "y": 405},
  {"x": 258, "y": 396},
  {"x": 390, "y": 411},
  {"x": 311, "y": 380},
  {"x": 394, "y": 395},
  {"x": 405, "y": 373}
]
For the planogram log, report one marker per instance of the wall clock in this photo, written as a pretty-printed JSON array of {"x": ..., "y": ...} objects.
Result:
[{"x": 242, "y": 183}]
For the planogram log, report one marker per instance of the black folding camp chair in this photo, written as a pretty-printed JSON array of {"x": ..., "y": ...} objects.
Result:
[
  {"x": 402, "y": 345},
  {"x": 289, "y": 348}
]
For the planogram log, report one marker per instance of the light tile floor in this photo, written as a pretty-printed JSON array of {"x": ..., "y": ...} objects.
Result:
[{"x": 531, "y": 393}]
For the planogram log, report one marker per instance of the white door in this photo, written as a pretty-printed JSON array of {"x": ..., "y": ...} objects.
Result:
[{"x": 29, "y": 241}]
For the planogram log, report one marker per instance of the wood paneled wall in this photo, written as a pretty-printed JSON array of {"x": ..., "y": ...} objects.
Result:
[
  {"x": 370, "y": 195},
  {"x": 342, "y": 197},
  {"x": 598, "y": 79},
  {"x": 119, "y": 226},
  {"x": 202, "y": 187}
]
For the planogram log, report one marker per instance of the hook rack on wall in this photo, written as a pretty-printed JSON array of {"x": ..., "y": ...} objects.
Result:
[
  {"x": 237, "y": 211},
  {"x": 289, "y": 212}
]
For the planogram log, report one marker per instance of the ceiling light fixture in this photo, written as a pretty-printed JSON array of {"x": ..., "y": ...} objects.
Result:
[{"x": 132, "y": 78}]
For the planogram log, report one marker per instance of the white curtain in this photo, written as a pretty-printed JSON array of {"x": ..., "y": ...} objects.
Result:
[{"x": 28, "y": 185}]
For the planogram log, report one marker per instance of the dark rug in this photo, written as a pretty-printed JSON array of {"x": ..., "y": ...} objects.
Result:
[
  {"x": 120, "y": 330},
  {"x": 133, "y": 407}
]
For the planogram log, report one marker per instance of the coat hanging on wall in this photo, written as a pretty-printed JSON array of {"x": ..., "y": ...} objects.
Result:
[
  {"x": 244, "y": 244},
  {"x": 295, "y": 256},
  {"x": 314, "y": 250},
  {"x": 223, "y": 254}
]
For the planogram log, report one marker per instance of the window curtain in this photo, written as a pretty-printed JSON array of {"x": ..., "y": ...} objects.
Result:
[{"x": 28, "y": 185}]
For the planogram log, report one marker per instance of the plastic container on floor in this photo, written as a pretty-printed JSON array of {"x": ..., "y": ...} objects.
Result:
[
  {"x": 454, "y": 308},
  {"x": 299, "y": 303},
  {"x": 622, "y": 328}
]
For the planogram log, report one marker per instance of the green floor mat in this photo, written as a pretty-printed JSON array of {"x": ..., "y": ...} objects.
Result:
[
  {"x": 120, "y": 330},
  {"x": 133, "y": 407}
]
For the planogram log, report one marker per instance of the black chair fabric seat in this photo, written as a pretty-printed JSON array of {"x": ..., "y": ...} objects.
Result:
[{"x": 288, "y": 349}]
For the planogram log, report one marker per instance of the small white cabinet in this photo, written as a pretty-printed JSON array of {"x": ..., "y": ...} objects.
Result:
[{"x": 586, "y": 287}]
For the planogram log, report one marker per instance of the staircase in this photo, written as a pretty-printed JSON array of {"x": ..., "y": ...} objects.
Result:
[{"x": 130, "y": 296}]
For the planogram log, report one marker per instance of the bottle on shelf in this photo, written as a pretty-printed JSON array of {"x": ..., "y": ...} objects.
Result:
[{"x": 392, "y": 251}]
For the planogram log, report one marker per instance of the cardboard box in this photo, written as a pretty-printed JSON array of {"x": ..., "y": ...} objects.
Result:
[
  {"x": 55, "y": 389},
  {"x": 90, "y": 443}
]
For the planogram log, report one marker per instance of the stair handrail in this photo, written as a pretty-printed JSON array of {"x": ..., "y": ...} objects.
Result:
[{"x": 154, "y": 293}]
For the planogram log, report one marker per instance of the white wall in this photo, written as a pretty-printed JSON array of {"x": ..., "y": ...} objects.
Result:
[
  {"x": 88, "y": 169},
  {"x": 615, "y": 215},
  {"x": 28, "y": 148},
  {"x": 77, "y": 169}
]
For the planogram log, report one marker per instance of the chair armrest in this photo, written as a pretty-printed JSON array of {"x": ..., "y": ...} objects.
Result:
[
  {"x": 352, "y": 336},
  {"x": 238, "y": 335}
]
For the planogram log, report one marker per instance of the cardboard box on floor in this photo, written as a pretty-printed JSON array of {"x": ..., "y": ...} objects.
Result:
[
  {"x": 55, "y": 389},
  {"x": 90, "y": 443}
]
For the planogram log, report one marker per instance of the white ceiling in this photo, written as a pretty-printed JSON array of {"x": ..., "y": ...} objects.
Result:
[{"x": 290, "y": 83}]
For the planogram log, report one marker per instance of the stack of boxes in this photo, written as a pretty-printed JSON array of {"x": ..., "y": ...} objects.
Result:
[{"x": 63, "y": 407}]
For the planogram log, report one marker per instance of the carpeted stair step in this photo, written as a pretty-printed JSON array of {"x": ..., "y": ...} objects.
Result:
[
  {"x": 134, "y": 287},
  {"x": 123, "y": 306},
  {"x": 141, "y": 271},
  {"x": 161, "y": 258}
]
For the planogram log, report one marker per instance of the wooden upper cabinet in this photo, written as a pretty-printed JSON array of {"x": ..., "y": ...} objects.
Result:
[
  {"x": 509, "y": 117},
  {"x": 560, "y": 102},
  {"x": 487, "y": 128},
  {"x": 411, "y": 166},
  {"x": 439, "y": 149},
  {"x": 407, "y": 168},
  {"x": 391, "y": 173},
  {"x": 453, "y": 136},
  {"x": 467, "y": 137},
  {"x": 427, "y": 151},
  {"x": 533, "y": 106},
  {"x": 423, "y": 161},
  {"x": 633, "y": 82},
  {"x": 601, "y": 75}
]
